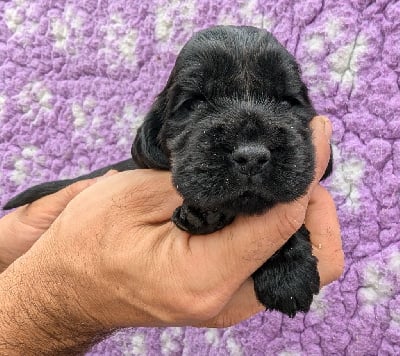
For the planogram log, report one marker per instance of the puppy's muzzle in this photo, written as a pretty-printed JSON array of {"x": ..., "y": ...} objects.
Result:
[{"x": 251, "y": 159}]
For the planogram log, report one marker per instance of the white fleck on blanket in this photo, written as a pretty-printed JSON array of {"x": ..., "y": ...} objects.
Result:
[{"x": 76, "y": 78}]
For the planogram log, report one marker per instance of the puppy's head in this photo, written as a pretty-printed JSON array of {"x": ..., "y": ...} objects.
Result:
[{"x": 232, "y": 123}]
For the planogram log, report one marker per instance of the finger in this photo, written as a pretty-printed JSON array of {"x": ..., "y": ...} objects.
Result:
[
  {"x": 146, "y": 194},
  {"x": 242, "y": 306},
  {"x": 322, "y": 131},
  {"x": 56, "y": 202},
  {"x": 242, "y": 247},
  {"x": 25, "y": 225},
  {"x": 322, "y": 222},
  {"x": 109, "y": 173},
  {"x": 43, "y": 211}
]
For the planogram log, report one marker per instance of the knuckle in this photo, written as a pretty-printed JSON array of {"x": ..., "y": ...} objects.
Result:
[
  {"x": 225, "y": 320},
  {"x": 188, "y": 310},
  {"x": 220, "y": 321},
  {"x": 289, "y": 220},
  {"x": 68, "y": 193},
  {"x": 75, "y": 188},
  {"x": 201, "y": 308},
  {"x": 205, "y": 310}
]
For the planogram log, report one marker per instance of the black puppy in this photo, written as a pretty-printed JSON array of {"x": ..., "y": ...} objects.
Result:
[{"x": 232, "y": 126}]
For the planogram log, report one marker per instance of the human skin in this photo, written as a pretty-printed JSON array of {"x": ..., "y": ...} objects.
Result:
[
  {"x": 112, "y": 258},
  {"x": 21, "y": 228}
]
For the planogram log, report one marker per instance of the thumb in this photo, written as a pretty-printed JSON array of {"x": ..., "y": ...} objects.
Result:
[{"x": 243, "y": 246}]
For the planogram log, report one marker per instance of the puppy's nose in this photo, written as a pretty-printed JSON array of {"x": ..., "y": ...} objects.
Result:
[{"x": 250, "y": 159}]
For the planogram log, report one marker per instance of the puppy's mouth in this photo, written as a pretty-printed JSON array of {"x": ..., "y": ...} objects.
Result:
[
  {"x": 246, "y": 171},
  {"x": 236, "y": 192}
]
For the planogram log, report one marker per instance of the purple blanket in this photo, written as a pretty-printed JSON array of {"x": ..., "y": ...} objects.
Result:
[{"x": 76, "y": 78}]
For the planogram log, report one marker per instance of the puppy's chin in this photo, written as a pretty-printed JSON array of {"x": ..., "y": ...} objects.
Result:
[
  {"x": 222, "y": 191},
  {"x": 250, "y": 203},
  {"x": 237, "y": 202}
]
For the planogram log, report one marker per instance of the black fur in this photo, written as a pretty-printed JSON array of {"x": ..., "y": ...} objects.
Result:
[
  {"x": 232, "y": 126},
  {"x": 41, "y": 190}
]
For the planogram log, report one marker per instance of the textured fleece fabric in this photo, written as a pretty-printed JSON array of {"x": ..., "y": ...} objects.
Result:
[{"x": 77, "y": 77}]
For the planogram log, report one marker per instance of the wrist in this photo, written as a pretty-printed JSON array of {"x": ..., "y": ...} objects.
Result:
[{"x": 39, "y": 314}]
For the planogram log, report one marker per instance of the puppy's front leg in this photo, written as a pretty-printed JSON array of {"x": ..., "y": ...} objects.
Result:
[
  {"x": 289, "y": 279},
  {"x": 198, "y": 221}
]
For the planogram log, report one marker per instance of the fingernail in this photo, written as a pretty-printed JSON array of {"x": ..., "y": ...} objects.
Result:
[
  {"x": 327, "y": 127},
  {"x": 111, "y": 172}
]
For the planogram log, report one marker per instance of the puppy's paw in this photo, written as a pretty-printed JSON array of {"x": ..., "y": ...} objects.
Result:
[
  {"x": 197, "y": 221},
  {"x": 289, "y": 279}
]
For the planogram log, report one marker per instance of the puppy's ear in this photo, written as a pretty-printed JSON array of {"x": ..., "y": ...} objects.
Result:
[{"x": 147, "y": 150}]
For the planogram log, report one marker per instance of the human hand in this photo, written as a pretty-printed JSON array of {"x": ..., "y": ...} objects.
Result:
[
  {"x": 21, "y": 228},
  {"x": 113, "y": 259},
  {"x": 322, "y": 223}
]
